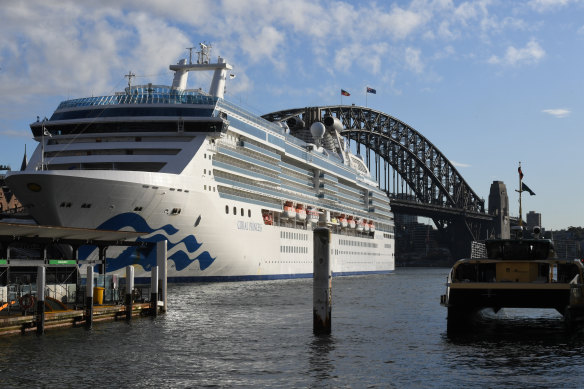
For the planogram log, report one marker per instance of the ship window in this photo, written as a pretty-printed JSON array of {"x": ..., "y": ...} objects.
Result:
[
  {"x": 241, "y": 211},
  {"x": 204, "y": 171},
  {"x": 235, "y": 210},
  {"x": 205, "y": 156},
  {"x": 213, "y": 189},
  {"x": 249, "y": 213},
  {"x": 227, "y": 209}
]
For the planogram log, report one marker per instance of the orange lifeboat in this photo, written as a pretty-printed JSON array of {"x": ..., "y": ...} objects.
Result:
[
  {"x": 343, "y": 221},
  {"x": 360, "y": 225},
  {"x": 300, "y": 212},
  {"x": 366, "y": 225},
  {"x": 371, "y": 226},
  {"x": 289, "y": 210},
  {"x": 312, "y": 215},
  {"x": 351, "y": 222}
]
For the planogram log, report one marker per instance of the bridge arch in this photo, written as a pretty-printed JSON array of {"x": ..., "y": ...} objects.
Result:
[{"x": 427, "y": 172}]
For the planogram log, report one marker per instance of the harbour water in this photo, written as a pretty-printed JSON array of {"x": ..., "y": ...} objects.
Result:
[{"x": 388, "y": 331}]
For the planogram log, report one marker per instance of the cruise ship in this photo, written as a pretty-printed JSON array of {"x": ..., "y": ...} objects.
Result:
[{"x": 235, "y": 196}]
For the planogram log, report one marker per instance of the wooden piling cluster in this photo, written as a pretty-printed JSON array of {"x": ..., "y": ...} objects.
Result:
[{"x": 75, "y": 318}]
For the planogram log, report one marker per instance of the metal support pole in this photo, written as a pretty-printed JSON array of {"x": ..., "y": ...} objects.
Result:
[
  {"x": 89, "y": 298},
  {"x": 154, "y": 291},
  {"x": 322, "y": 282},
  {"x": 40, "y": 311},
  {"x": 129, "y": 290},
  {"x": 161, "y": 261}
]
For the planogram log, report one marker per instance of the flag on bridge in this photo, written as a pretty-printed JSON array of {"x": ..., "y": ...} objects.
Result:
[
  {"x": 520, "y": 173},
  {"x": 371, "y": 90},
  {"x": 526, "y": 189},
  {"x": 345, "y": 93}
]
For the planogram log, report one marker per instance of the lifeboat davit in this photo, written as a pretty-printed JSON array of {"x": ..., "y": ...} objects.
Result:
[
  {"x": 343, "y": 221},
  {"x": 300, "y": 212},
  {"x": 289, "y": 211},
  {"x": 351, "y": 222},
  {"x": 312, "y": 215}
]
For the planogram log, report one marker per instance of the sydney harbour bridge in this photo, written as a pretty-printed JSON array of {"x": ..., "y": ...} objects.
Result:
[{"x": 417, "y": 177}]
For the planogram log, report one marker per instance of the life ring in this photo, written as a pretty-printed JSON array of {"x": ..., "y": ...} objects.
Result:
[{"x": 26, "y": 301}]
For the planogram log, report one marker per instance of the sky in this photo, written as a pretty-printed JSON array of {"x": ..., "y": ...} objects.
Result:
[{"x": 490, "y": 83}]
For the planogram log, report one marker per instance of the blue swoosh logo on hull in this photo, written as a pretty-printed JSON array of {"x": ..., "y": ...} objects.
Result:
[{"x": 146, "y": 256}]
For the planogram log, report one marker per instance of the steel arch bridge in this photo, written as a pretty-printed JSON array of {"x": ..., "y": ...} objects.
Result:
[{"x": 425, "y": 182}]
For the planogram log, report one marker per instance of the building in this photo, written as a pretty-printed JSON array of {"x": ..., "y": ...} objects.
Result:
[
  {"x": 8, "y": 201},
  {"x": 533, "y": 219}
]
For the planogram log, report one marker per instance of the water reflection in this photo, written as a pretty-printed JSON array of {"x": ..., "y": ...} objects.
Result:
[
  {"x": 538, "y": 350},
  {"x": 320, "y": 362}
]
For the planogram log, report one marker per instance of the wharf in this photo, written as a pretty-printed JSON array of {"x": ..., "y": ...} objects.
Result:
[
  {"x": 42, "y": 293},
  {"x": 21, "y": 324}
]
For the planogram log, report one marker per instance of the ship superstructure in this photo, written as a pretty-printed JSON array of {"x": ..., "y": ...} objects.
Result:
[{"x": 236, "y": 196}]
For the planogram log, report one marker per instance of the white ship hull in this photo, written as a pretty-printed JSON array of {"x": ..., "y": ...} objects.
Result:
[{"x": 221, "y": 246}]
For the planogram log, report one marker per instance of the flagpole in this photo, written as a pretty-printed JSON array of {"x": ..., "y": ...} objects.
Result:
[
  {"x": 520, "y": 190},
  {"x": 43, "y": 146}
]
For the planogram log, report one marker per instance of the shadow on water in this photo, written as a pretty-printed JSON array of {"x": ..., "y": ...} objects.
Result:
[{"x": 516, "y": 327}]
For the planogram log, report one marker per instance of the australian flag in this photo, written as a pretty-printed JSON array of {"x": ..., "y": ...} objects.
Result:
[
  {"x": 345, "y": 93},
  {"x": 371, "y": 90}
]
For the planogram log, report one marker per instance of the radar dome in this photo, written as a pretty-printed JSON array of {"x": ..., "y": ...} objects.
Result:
[{"x": 317, "y": 130}]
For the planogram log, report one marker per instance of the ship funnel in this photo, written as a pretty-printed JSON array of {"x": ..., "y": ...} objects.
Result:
[
  {"x": 295, "y": 122},
  {"x": 333, "y": 123},
  {"x": 180, "y": 77},
  {"x": 218, "y": 83}
]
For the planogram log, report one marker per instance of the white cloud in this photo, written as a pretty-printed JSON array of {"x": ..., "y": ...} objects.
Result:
[
  {"x": 557, "y": 112},
  {"x": 413, "y": 61},
  {"x": 530, "y": 54},
  {"x": 459, "y": 164},
  {"x": 546, "y": 5}
]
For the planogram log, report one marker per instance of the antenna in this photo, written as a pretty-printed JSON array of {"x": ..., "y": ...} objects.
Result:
[
  {"x": 130, "y": 75},
  {"x": 190, "y": 49},
  {"x": 204, "y": 54}
]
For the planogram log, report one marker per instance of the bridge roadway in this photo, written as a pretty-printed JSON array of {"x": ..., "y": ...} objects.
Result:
[{"x": 418, "y": 178}]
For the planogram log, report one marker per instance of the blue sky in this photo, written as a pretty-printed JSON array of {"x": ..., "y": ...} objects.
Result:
[{"x": 489, "y": 82}]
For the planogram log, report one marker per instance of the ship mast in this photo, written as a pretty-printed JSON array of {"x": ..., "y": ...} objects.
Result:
[{"x": 221, "y": 67}]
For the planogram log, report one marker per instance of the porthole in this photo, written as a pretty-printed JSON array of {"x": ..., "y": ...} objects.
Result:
[
  {"x": 235, "y": 210},
  {"x": 227, "y": 209},
  {"x": 249, "y": 213},
  {"x": 242, "y": 212}
]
